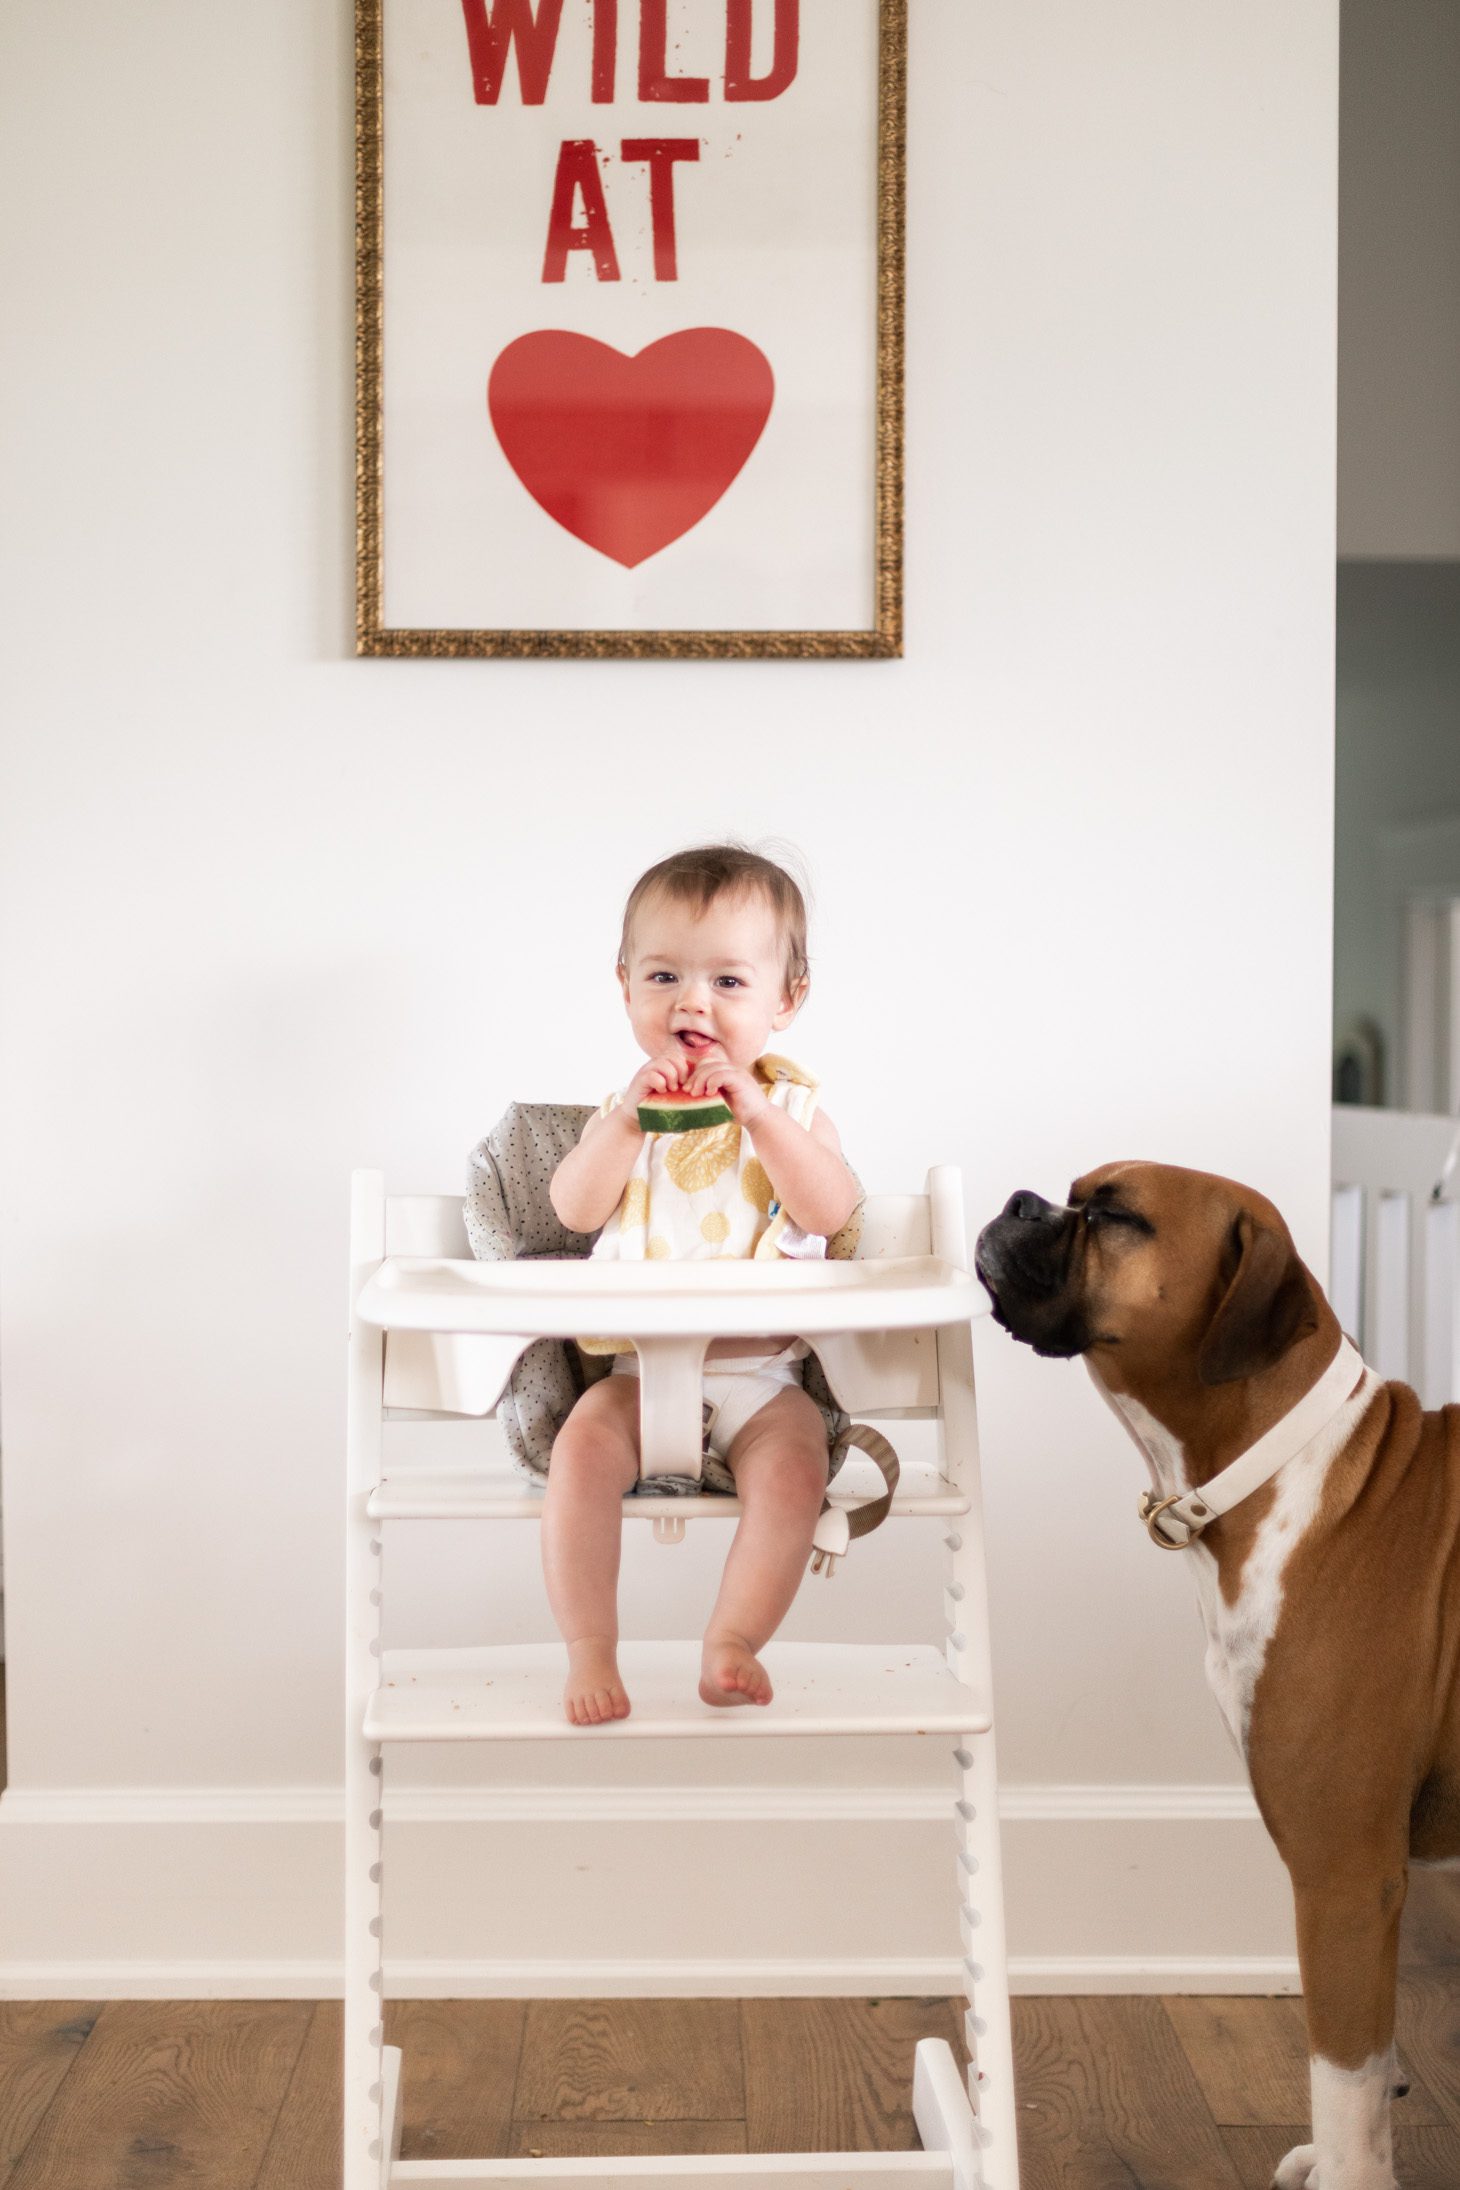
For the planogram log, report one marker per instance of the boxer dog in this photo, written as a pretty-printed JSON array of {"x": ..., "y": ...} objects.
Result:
[{"x": 1318, "y": 1509}]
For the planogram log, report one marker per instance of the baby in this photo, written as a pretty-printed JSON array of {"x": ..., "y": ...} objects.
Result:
[{"x": 712, "y": 963}]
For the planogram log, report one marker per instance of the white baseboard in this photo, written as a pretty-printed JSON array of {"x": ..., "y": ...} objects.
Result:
[
  {"x": 1032, "y": 1974},
  {"x": 528, "y": 1805},
  {"x": 561, "y": 1892},
  {"x": 666, "y": 1980},
  {"x": 236, "y": 1979}
]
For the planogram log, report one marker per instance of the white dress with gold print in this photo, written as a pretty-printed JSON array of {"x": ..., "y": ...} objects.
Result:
[{"x": 704, "y": 1196}]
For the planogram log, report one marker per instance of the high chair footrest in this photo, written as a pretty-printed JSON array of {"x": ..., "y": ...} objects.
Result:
[{"x": 514, "y": 1693}]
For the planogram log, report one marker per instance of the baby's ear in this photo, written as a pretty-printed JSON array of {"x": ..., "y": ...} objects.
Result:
[{"x": 792, "y": 998}]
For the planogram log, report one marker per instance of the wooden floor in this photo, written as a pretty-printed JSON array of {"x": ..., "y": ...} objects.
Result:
[{"x": 1114, "y": 2094}]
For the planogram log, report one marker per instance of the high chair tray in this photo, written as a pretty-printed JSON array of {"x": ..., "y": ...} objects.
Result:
[
  {"x": 515, "y": 1693},
  {"x": 648, "y": 1299}
]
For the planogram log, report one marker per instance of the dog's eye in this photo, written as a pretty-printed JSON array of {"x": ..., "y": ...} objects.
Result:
[{"x": 1115, "y": 1216}]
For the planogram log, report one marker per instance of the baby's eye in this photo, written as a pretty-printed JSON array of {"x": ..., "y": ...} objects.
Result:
[
  {"x": 731, "y": 981},
  {"x": 661, "y": 977}
]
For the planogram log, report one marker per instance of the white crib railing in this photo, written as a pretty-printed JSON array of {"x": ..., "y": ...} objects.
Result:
[{"x": 1394, "y": 1276}]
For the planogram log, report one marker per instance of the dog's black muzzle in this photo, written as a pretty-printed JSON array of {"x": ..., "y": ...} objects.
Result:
[{"x": 1024, "y": 1259}]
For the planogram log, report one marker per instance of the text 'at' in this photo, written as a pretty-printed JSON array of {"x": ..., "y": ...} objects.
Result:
[{"x": 578, "y": 182}]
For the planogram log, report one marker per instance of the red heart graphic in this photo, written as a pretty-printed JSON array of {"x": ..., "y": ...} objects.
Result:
[{"x": 627, "y": 453}]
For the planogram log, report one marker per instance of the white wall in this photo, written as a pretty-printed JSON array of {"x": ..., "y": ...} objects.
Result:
[
  {"x": 271, "y": 912},
  {"x": 1399, "y": 280}
]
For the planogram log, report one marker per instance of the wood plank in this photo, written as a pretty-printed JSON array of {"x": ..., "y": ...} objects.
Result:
[
  {"x": 621, "y": 2140},
  {"x": 459, "y": 2069},
  {"x": 1107, "y": 2098},
  {"x": 39, "y": 2043},
  {"x": 1426, "y": 2159},
  {"x": 1428, "y": 2036},
  {"x": 303, "y": 2152},
  {"x": 168, "y": 2093},
  {"x": 835, "y": 2075},
  {"x": 1249, "y": 2055},
  {"x": 1430, "y": 1936},
  {"x": 631, "y": 2060}
]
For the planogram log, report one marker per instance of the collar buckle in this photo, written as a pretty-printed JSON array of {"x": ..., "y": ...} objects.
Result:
[{"x": 1151, "y": 1509}]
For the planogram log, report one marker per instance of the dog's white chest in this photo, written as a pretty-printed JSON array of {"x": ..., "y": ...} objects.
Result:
[{"x": 1238, "y": 1632}]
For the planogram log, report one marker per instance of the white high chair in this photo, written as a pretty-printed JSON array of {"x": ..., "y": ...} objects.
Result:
[{"x": 434, "y": 1332}]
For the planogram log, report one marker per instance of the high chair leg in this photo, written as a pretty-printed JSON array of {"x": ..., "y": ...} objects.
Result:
[
  {"x": 941, "y": 2110},
  {"x": 367, "y": 2141},
  {"x": 987, "y": 2023}
]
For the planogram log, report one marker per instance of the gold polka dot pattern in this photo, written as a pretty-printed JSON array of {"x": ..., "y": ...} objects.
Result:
[
  {"x": 698, "y": 1159},
  {"x": 755, "y": 1185}
]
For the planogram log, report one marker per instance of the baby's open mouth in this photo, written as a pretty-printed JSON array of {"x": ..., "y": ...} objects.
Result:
[{"x": 695, "y": 1042}]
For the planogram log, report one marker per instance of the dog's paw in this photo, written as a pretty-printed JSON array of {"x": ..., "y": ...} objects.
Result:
[{"x": 1299, "y": 2171}]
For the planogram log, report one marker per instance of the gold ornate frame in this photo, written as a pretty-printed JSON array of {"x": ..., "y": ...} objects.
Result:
[{"x": 881, "y": 643}]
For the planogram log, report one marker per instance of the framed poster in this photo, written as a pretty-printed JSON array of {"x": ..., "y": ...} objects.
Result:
[{"x": 629, "y": 327}]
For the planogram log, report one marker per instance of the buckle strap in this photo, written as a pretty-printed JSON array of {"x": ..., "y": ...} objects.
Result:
[{"x": 839, "y": 1525}]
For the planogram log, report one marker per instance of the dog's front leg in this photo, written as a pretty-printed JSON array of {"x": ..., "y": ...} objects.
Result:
[{"x": 1348, "y": 1949}]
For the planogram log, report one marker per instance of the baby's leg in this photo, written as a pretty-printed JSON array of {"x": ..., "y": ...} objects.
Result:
[
  {"x": 779, "y": 1464},
  {"x": 595, "y": 1461}
]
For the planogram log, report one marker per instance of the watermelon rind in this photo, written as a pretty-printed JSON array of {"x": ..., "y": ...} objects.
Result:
[{"x": 678, "y": 1114}]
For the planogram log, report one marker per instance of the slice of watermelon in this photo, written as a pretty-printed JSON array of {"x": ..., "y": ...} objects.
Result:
[{"x": 683, "y": 1113}]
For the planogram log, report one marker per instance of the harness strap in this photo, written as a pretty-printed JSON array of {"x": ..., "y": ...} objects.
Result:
[{"x": 840, "y": 1525}]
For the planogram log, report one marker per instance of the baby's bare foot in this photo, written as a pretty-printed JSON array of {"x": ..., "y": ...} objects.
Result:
[
  {"x": 593, "y": 1693},
  {"x": 730, "y": 1672}
]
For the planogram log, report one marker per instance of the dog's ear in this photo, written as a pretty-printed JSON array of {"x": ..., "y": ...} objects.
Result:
[{"x": 1268, "y": 1304}]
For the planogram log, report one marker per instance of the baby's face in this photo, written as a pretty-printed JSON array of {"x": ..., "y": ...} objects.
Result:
[{"x": 709, "y": 987}]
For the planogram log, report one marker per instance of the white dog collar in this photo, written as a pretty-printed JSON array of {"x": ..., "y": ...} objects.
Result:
[{"x": 1175, "y": 1523}]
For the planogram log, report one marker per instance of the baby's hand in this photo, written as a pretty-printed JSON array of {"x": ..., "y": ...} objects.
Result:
[
  {"x": 740, "y": 1089},
  {"x": 660, "y": 1076}
]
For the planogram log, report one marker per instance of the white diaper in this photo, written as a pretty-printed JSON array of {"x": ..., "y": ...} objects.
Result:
[{"x": 736, "y": 1389}]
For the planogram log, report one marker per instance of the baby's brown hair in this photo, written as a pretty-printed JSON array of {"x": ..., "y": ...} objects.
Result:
[{"x": 707, "y": 871}]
